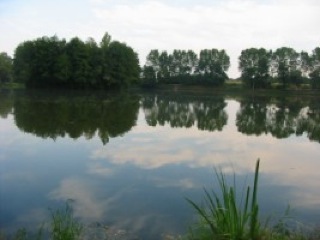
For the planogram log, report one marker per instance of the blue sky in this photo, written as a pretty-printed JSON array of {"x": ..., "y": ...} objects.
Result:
[{"x": 232, "y": 25}]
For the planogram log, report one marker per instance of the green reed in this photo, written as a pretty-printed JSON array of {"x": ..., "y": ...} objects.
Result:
[
  {"x": 63, "y": 224},
  {"x": 222, "y": 217}
]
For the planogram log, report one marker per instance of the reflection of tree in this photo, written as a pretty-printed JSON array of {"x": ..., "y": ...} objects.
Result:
[
  {"x": 76, "y": 116},
  {"x": 6, "y": 103},
  {"x": 280, "y": 117},
  {"x": 185, "y": 111},
  {"x": 310, "y": 121}
]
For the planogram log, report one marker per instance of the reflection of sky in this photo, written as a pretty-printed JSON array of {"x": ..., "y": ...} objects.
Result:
[{"x": 140, "y": 180}]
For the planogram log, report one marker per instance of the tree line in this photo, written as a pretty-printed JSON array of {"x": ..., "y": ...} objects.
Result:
[
  {"x": 259, "y": 67},
  {"x": 54, "y": 62},
  {"x": 187, "y": 67}
]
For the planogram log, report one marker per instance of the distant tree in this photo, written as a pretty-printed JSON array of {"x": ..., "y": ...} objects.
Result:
[
  {"x": 214, "y": 64},
  {"x": 185, "y": 67},
  {"x": 106, "y": 40},
  {"x": 95, "y": 62},
  {"x": 315, "y": 68},
  {"x": 22, "y": 65},
  {"x": 149, "y": 76},
  {"x": 164, "y": 64},
  {"x": 79, "y": 62},
  {"x": 286, "y": 63},
  {"x": 254, "y": 66},
  {"x": 5, "y": 68},
  {"x": 123, "y": 65},
  {"x": 50, "y": 62}
]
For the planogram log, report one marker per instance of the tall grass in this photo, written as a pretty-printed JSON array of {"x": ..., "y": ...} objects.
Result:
[
  {"x": 63, "y": 224},
  {"x": 224, "y": 217}
]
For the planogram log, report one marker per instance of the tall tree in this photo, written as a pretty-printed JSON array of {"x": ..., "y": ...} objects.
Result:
[
  {"x": 22, "y": 65},
  {"x": 285, "y": 61},
  {"x": 254, "y": 66},
  {"x": 123, "y": 65},
  {"x": 79, "y": 61},
  {"x": 5, "y": 68},
  {"x": 315, "y": 68},
  {"x": 50, "y": 62},
  {"x": 214, "y": 64}
]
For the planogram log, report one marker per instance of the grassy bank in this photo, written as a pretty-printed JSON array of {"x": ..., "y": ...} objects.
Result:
[{"x": 236, "y": 87}]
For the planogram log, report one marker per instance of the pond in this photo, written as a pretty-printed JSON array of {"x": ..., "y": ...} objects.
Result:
[{"x": 130, "y": 160}]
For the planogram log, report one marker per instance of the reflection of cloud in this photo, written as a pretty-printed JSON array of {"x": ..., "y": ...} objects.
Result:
[
  {"x": 86, "y": 204},
  {"x": 98, "y": 169},
  {"x": 185, "y": 183},
  {"x": 292, "y": 162},
  {"x": 147, "y": 157}
]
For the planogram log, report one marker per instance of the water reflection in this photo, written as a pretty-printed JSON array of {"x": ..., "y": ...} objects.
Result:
[
  {"x": 76, "y": 116},
  {"x": 185, "y": 111},
  {"x": 281, "y": 117},
  {"x": 139, "y": 181},
  {"x": 6, "y": 103}
]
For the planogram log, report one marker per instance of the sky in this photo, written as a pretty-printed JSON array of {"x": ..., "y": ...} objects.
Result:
[{"x": 233, "y": 25}]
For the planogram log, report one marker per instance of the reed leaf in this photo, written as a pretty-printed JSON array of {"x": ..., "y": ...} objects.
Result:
[{"x": 224, "y": 216}]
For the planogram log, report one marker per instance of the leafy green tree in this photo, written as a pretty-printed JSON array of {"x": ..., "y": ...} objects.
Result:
[
  {"x": 286, "y": 63},
  {"x": 315, "y": 68},
  {"x": 50, "y": 62},
  {"x": 95, "y": 62},
  {"x": 254, "y": 66},
  {"x": 5, "y": 68},
  {"x": 78, "y": 56},
  {"x": 164, "y": 65},
  {"x": 105, "y": 41},
  {"x": 213, "y": 64},
  {"x": 122, "y": 65},
  {"x": 149, "y": 76},
  {"x": 22, "y": 65}
]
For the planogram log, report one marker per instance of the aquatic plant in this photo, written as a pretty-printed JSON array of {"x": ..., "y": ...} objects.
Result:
[
  {"x": 224, "y": 217},
  {"x": 64, "y": 226}
]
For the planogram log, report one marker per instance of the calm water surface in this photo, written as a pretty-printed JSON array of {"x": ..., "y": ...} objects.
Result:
[{"x": 129, "y": 160}]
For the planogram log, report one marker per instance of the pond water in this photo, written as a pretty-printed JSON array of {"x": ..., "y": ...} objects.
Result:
[{"x": 130, "y": 160}]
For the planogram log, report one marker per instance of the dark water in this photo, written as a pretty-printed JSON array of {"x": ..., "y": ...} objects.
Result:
[{"x": 129, "y": 160}]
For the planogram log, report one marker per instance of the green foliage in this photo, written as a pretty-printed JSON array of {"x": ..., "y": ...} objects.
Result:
[
  {"x": 280, "y": 117},
  {"x": 286, "y": 63},
  {"x": 315, "y": 68},
  {"x": 51, "y": 62},
  {"x": 53, "y": 115},
  {"x": 186, "y": 67},
  {"x": 63, "y": 224},
  {"x": 185, "y": 112},
  {"x": 5, "y": 68},
  {"x": 254, "y": 65},
  {"x": 223, "y": 217}
]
